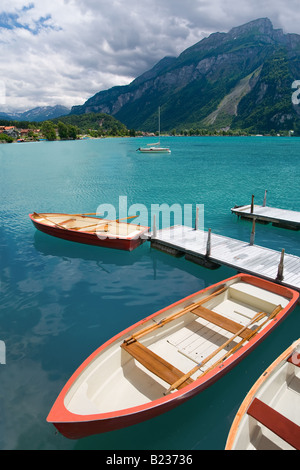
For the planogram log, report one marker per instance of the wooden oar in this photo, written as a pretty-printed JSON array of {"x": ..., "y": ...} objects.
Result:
[
  {"x": 92, "y": 225},
  {"x": 96, "y": 225},
  {"x": 101, "y": 215},
  {"x": 48, "y": 220},
  {"x": 126, "y": 218},
  {"x": 180, "y": 381},
  {"x": 257, "y": 317},
  {"x": 235, "y": 348},
  {"x": 176, "y": 315},
  {"x": 92, "y": 213}
]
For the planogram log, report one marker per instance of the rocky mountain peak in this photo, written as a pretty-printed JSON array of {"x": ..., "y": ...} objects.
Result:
[
  {"x": 260, "y": 26},
  {"x": 241, "y": 78}
]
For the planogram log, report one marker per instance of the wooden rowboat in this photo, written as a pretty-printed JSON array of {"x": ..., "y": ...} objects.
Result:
[
  {"x": 170, "y": 356},
  {"x": 269, "y": 417},
  {"x": 91, "y": 230}
]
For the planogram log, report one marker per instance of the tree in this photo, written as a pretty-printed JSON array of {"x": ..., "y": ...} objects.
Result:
[
  {"x": 48, "y": 130},
  {"x": 73, "y": 131},
  {"x": 62, "y": 130},
  {"x": 6, "y": 138}
]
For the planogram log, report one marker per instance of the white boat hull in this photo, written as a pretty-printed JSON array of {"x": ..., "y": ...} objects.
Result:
[{"x": 154, "y": 150}]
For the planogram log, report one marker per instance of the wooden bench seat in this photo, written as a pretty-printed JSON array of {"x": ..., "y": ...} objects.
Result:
[
  {"x": 276, "y": 422},
  {"x": 155, "y": 363},
  {"x": 221, "y": 321}
]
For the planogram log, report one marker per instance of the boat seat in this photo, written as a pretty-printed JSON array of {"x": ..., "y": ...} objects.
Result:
[
  {"x": 66, "y": 221},
  {"x": 154, "y": 363},
  {"x": 221, "y": 321},
  {"x": 276, "y": 422}
]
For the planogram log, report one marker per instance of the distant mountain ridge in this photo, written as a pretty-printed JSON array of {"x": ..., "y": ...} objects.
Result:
[
  {"x": 240, "y": 79},
  {"x": 38, "y": 114}
]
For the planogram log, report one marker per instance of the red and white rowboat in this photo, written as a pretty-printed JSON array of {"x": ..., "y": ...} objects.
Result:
[
  {"x": 269, "y": 417},
  {"x": 91, "y": 230},
  {"x": 170, "y": 356}
]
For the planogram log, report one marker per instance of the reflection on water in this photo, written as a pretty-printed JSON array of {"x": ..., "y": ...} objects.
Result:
[{"x": 61, "y": 300}]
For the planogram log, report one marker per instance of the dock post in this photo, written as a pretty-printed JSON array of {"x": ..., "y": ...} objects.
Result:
[
  {"x": 197, "y": 219},
  {"x": 265, "y": 199},
  {"x": 154, "y": 234},
  {"x": 252, "y": 236},
  {"x": 208, "y": 244},
  {"x": 280, "y": 267},
  {"x": 252, "y": 204}
]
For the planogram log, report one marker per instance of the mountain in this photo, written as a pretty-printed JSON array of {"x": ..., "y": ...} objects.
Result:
[
  {"x": 38, "y": 114},
  {"x": 240, "y": 79}
]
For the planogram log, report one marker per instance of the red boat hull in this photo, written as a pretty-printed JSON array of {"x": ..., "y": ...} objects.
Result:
[
  {"x": 75, "y": 426},
  {"x": 127, "y": 244}
]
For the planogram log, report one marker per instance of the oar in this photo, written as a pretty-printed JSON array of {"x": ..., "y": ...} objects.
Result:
[
  {"x": 91, "y": 213},
  {"x": 247, "y": 338},
  {"x": 235, "y": 348},
  {"x": 176, "y": 315},
  {"x": 51, "y": 221},
  {"x": 96, "y": 225},
  {"x": 180, "y": 381},
  {"x": 126, "y": 218},
  {"x": 257, "y": 317},
  {"x": 88, "y": 226}
]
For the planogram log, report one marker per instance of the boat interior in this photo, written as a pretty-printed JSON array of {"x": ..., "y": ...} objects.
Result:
[
  {"x": 272, "y": 420},
  {"x": 92, "y": 225},
  {"x": 173, "y": 348}
]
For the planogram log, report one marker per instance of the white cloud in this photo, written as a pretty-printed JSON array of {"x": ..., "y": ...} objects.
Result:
[{"x": 64, "y": 51}]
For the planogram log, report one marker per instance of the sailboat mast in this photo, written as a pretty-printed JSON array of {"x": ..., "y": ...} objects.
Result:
[{"x": 159, "y": 124}]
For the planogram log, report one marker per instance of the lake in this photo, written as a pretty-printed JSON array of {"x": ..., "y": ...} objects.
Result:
[{"x": 61, "y": 300}]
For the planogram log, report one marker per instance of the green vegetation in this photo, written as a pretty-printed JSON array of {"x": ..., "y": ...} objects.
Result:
[
  {"x": 48, "y": 130},
  {"x": 93, "y": 124},
  {"x": 69, "y": 127},
  {"x": 6, "y": 138},
  {"x": 268, "y": 106}
]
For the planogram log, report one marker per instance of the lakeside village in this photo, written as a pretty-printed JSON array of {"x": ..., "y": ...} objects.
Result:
[{"x": 49, "y": 131}]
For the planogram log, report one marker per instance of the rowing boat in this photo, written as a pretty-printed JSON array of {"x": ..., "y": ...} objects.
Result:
[
  {"x": 269, "y": 417},
  {"x": 170, "y": 356},
  {"x": 91, "y": 230}
]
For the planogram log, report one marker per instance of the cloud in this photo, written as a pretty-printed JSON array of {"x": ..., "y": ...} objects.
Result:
[{"x": 64, "y": 51}]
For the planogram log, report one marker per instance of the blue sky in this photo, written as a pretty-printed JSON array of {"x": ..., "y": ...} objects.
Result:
[{"x": 65, "y": 51}]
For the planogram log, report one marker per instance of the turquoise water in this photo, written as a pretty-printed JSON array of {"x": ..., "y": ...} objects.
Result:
[{"x": 61, "y": 300}]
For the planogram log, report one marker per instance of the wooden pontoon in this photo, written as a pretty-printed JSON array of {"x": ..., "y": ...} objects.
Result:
[
  {"x": 91, "y": 230},
  {"x": 170, "y": 356},
  {"x": 213, "y": 250},
  {"x": 269, "y": 417},
  {"x": 265, "y": 214}
]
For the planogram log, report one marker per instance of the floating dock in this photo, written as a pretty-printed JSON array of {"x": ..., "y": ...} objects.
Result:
[
  {"x": 265, "y": 214},
  {"x": 211, "y": 250}
]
